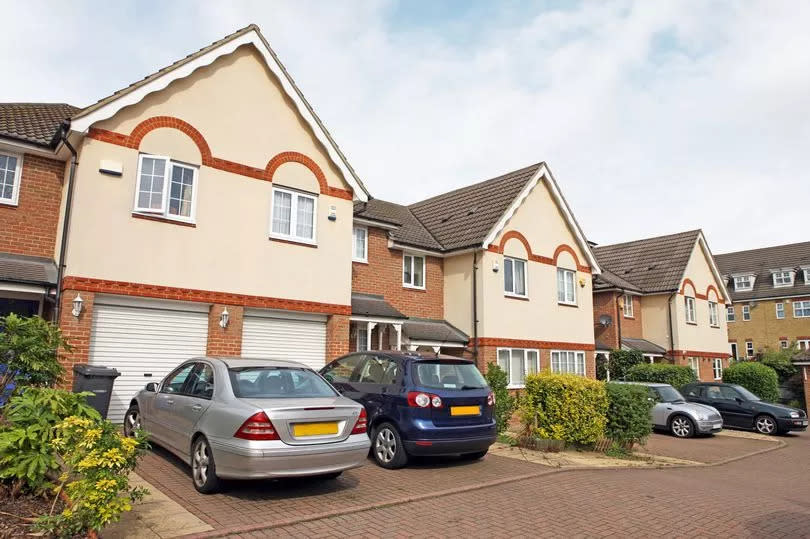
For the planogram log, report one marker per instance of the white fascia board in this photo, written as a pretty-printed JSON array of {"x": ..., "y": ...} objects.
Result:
[{"x": 83, "y": 123}]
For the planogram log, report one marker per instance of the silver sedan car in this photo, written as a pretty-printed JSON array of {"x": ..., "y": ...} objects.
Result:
[{"x": 251, "y": 419}]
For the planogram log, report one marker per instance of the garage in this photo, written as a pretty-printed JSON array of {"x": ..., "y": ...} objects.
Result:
[
  {"x": 144, "y": 340},
  {"x": 282, "y": 335}
]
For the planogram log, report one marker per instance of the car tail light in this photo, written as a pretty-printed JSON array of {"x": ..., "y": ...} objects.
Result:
[
  {"x": 420, "y": 399},
  {"x": 362, "y": 423},
  {"x": 491, "y": 399},
  {"x": 257, "y": 427}
]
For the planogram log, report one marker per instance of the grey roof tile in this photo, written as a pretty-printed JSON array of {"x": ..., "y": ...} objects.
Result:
[
  {"x": 27, "y": 269},
  {"x": 761, "y": 262},
  {"x": 644, "y": 346},
  {"x": 427, "y": 329},
  {"x": 373, "y": 305},
  {"x": 35, "y": 123}
]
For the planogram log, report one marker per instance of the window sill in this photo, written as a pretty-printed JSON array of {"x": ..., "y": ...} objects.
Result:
[
  {"x": 294, "y": 242},
  {"x": 414, "y": 288},
  {"x": 714, "y": 326},
  {"x": 691, "y": 323},
  {"x": 516, "y": 296},
  {"x": 510, "y": 386},
  {"x": 566, "y": 304},
  {"x": 10, "y": 203},
  {"x": 629, "y": 317},
  {"x": 162, "y": 219},
  {"x": 355, "y": 261}
]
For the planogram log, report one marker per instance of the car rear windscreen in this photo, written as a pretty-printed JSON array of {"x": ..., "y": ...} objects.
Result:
[
  {"x": 278, "y": 383},
  {"x": 448, "y": 375}
]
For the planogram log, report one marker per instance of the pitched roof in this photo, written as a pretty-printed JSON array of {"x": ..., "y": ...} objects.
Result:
[
  {"x": 34, "y": 123},
  {"x": 27, "y": 269},
  {"x": 760, "y": 262},
  {"x": 644, "y": 346},
  {"x": 608, "y": 280},
  {"x": 373, "y": 305},
  {"x": 410, "y": 230},
  {"x": 427, "y": 329},
  {"x": 652, "y": 264}
]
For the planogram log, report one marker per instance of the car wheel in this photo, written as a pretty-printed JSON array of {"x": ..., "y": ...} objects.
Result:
[
  {"x": 203, "y": 469},
  {"x": 765, "y": 424},
  {"x": 681, "y": 427},
  {"x": 330, "y": 476},
  {"x": 132, "y": 421},
  {"x": 475, "y": 456},
  {"x": 387, "y": 447}
]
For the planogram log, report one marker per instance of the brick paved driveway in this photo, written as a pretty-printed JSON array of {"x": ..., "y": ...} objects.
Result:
[{"x": 762, "y": 496}]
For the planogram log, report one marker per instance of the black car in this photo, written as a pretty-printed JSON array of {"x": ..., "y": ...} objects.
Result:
[{"x": 742, "y": 409}]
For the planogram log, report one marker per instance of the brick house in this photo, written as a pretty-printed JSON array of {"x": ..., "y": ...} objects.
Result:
[
  {"x": 663, "y": 297},
  {"x": 210, "y": 212},
  {"x": 499, "y": 271}
]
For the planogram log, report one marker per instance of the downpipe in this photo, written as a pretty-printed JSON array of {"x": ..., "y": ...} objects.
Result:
[{"x": 60, "y": 270}]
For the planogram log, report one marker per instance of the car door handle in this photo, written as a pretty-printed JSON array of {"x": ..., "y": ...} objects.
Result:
[
  {"x": 169, "y": 401},
  {"x": 197, "y": 407}
]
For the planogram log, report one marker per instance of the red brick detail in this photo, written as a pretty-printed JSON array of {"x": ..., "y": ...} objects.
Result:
[
  {"x": 133, "y": 140},
  {"x": 76, "y": 331},
  {"x": 806, "y": 378},
  {"x": 383, "y": 275},
  {"x": 163, "y": 220},
  {"x": 30, "y": 227},
  {"x": 717, "y": 295},
  {"x": 735, "y": 340},
  {"x": 697, "y": 353},
  {"x": 489, "y": 354},
  {"x": 518, "y": 236},
  {"x": 514, "y": 234},
  {"x": 225, "y": 341},
  {"x": 564, "y": 248},
  {"x": 204, "y": 296},
  {"x": 780, "y": 338},
  {"x": 802, "y": 337},
  {"x": 337, "y": 336},
  {"x": 689, "y": 282},
  {"x": 525, "y": 343}
]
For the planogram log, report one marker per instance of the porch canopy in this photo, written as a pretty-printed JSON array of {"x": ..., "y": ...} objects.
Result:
[{"x": 648, "y": 349}]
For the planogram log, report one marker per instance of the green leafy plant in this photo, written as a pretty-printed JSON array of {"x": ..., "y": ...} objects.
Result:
[
  {"x": 757, "y": 378},
  {"x": 564, "y": 407},
  {"x": 628, "y": 415},
  {"x": 26, "y": 456},
  {"x": 498, "y": 381},
  {"x": 662, "y": 373},
  {"x": 781, "y": 361},
  {"x": 618, "y": 362},
  {"x": 28, "y": 350}
]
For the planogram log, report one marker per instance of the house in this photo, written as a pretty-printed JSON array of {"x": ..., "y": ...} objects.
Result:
[
  {"x": 770, "y": 298},
  {"x": 499, "y": 271},
  {"x": 663, "y": 297},
  {"x": 208, "y": 211}
]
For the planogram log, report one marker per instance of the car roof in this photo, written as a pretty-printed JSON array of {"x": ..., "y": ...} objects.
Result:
[
  {"x": 647, "y": 384},
  {"x": 255, "y": 362},
  {"x": 414, "y": 356}
]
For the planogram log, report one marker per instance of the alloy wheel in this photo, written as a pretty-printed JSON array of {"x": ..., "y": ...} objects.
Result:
[
  {"x": 132, "y": 422},
  {"x": 200, "y": 462},
  {"x": 681, "y": 427},
  {"x": 766, "y": 425},
  {"x": 385, "y": 445}
]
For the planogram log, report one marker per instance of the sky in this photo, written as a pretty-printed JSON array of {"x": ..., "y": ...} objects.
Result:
[{"x": 654, "y": 116}]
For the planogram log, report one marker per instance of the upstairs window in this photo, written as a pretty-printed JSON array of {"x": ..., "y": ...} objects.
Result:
[
  {"x": 780, "y": 311},
  {"x": 514, "y": 277},
  {"x": 783, "y": 344},
  {"x": 743, "y": 283},
  {"x": 746, "y": 310},
  {"x": 730, "y": 315},
  {"x": 628, "y": 306},
  {"x": 413, "y": 271},
  {"x": 293, "y": 215},
  {"x": 566, "y": 291},
  {"x": 360, "y": 244},
  {"x": 10, "y": 171},
  {"x": 713, "y": 319},
  {"x": 801, "y": 309},
  {"x": 806, "y": 272},
  {"x": 782, "y": 278},
  {"x": 689, "y": 303},
  {"x": 166, "y": 188}
]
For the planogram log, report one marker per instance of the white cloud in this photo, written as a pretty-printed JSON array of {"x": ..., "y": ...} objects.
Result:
[{"x": 655, "y": 116}]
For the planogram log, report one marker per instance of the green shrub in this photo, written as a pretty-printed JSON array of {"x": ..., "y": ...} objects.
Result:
[
  {"x": 498, "y": 381},
  {"x": 662, "y": 373},
  {"x": 620, "y": 361},
  {"x": 628, "y": 415},
  {"x": 564, "y": 407},
  {"x": 757, "y": 378},
  {"x": 781, "y": 361},
  {"x": 28, "y": 349}
]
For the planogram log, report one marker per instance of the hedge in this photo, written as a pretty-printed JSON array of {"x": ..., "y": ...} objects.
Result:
[
  {"x": 564, "y": 407},
  {"x": 498, "y": 382},
  {"x": 628, "y": 414},
  {"x": 756, "y": 378},
  {"x": 662, "y": 373}
]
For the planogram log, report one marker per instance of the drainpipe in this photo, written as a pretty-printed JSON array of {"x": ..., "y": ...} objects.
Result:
[
  {"x": 475, "y": 305},
  {"x": 619, "y": 316},
  {"x": 60, "y": 270},
  {"x": 669, "y": 318}
]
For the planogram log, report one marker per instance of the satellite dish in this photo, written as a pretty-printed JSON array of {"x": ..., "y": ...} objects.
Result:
[{"x": 605, "y": 320}]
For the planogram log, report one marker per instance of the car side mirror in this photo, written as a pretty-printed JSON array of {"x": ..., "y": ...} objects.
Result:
[{"x": 151, "y": 386}]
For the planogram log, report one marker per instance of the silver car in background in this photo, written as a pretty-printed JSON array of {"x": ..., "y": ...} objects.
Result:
[
  {"x": 251, "y": 419},
  {"x": 683, "y": 419}
]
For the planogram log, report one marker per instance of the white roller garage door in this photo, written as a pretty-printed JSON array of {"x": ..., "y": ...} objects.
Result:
[
  {"x": 142, "y": 338},
  {"x": 272, "y": 335}
]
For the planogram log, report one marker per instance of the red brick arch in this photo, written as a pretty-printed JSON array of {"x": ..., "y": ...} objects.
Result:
[
  {"x": 565, "y": 248},
  {"x": 717, "y": 295},
  {"x": 689, "y": 282},
  {"x": 170, "y": 122},
  {"x": 295, "y": 157},
  {"x": 514, "y": 234}
]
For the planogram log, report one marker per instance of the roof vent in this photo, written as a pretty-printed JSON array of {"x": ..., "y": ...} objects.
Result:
[
  {"x": 472, "y": 210},
  {"x": 445, "y": 218}
]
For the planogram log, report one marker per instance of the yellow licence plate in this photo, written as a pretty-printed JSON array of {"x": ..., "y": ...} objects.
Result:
[
  {"x": 315, "y": 429},
  {"x": 465, "y": 410}
]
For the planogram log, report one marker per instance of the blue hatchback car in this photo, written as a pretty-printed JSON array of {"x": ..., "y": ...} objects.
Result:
[{"x": 418, "y": 405}]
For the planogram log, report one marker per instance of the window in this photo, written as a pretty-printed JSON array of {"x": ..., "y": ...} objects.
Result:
[
  {"x": 801, "y": 309},
  {"x": 413, "y": 271},
  {"x": 10, "y": 171},
  {"x": 746, "y": 310},
  {"x": 362, "y": 338},
  {"x": 803, "y": 344},
  {"x": 782, "y": 278},
  {"x": 378, "y": 370},
  {"x": 360, "y": 244},
  {"x": 783, "y": 344},
  {"x": 721, "y": 392},
  {"x": 689, "y": 302},
  {"x": 514, "y": 277},
  {"x": 694, "y": 364},
  {"x": 518, "y": 362},
  {"x": 743, "y": 283},
  {"x": 717, "y": 368},
  {"x": 730, "y": 313},
  {"x": 442, "y": 374},
  {"x": 166, "y": 188},
  {"x": 713, "y": 320},
  {"x": 749, "y": 349},
  {"x": 780, "y": 310},
  {"x": 566, "y": 293},
  {"x": 806, "y": 272},
  {"x": 342, "y": 370},
  {"x": 177, "y": 379},
  {"x": 734, "y": 350},
  {"x": 293, "y": 216},
  {"x": 628, "y": 306},
  {"x": 568, "y": 362},
  {"x": 201, "y": 382},
  {"x": 278, "y": 383}
]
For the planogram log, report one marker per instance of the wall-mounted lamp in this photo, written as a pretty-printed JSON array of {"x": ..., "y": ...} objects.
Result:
[
  {"x": 582, "y": 282},
  {"x": 77, "y": 305},
  {"x": 224, "y": 318},
  {"x": 495, "y": 266}
]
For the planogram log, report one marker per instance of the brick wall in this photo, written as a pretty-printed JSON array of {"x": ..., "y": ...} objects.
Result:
[
  {"x": 706, "y": 365},
  {"x": 631, "y": 327},
  {"x": 337, "y": 332},
  {"x": 29, "y": 228},
  {"x": 605, "y": 303},
  {"x": 76, "y": 331},
  {"x": 764, "y": 329},
  {"x": 383, "y": 275},
  {"x": 225, "y": 341},
  {"x": 805, "y": 374}
]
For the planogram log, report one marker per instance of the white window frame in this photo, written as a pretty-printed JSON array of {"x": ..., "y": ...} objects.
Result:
[
  {"x": 778, "y": 278},
  {"x": 694, "y": 364},
  {"x": 734, "y": 351},
  {"x": 515, "y": 261},
  {"x": 749, "y": 349},
  {"x": 804, "y": 306},
  {"x": 362, "y": 338},
  {"x": 780, "y": 310},
  {"x": 526, "y": 364},
  {"x": 749, "y": 279},
  {"x": 746, "y": 313},
  {"x": 424, "y": 271},
  {"x": 15, "y": 189},
  {"x": 295, "y": 195},
  {"x": 577, "y": 356},
  {"x": 565, "y": 300},
  {"x": 628, "y": 302},
  {"x": 803, "y": 344},
  {"x": 690, "y": 309},
  {"x": 356, "y": 258},
  {"x": 806, "y": 272},
  {"x": 714, "y": 319},
  {"x": 717, "y": 368},
  {"x": 163, "y": 212},
  {"x": 783, "y": 344},
  {"x": 730, "y": 311}
]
